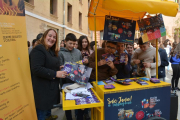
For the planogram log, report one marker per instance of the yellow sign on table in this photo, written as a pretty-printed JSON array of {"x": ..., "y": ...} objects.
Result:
[{"x": 16, "y": 93}]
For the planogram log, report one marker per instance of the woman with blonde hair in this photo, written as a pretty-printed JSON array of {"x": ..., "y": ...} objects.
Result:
[{"x": 45, "y": 73}]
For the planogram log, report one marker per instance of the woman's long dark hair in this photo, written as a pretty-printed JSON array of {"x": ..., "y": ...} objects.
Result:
[
  {"x": 80, "y": 43},
  {"x": 175, "y": 50}
]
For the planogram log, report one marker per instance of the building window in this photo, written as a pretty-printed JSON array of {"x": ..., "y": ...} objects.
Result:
[
  {"x": 30, "y": 1},
  {"x": 53, "y": 7},
  {"x": 80, "y": 20},
  {"x": 80, "y": 1},
  {"x": 89, "y": 2},
  {"x": 69, "y": 16},
  {"x": 178, "y": 1}
]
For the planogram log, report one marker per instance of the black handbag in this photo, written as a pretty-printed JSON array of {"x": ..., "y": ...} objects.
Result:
[{"x": 174, "y": 106}]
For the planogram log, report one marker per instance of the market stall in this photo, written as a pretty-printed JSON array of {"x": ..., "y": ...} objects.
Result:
[{"x": 134, "y": 101}]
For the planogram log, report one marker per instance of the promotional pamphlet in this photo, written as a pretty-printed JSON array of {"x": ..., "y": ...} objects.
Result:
[{"x": 77, "y": 72}]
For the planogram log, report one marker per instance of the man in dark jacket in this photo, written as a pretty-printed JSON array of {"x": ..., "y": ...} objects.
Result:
[{"x": 164, "y": 62}]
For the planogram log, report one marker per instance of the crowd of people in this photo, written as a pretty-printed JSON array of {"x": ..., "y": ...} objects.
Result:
[{"x": 47, "y": 60}]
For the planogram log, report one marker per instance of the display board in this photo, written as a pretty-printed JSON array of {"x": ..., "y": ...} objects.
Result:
[
  {"x": 138, "y": 105},
  {"x": 16, "y": 93},
  {"x": 152, "y": 28},
  {"x": 119, "y": 29}
]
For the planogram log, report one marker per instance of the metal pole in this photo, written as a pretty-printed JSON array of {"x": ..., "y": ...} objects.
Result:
[
  {"x": 96, "y": 7},
  {"x": 157, "y": 58},
  {"x": 95, "y": 50}
]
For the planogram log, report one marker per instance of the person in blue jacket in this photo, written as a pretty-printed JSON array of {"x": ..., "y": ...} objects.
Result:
[
  {"x": 123, "y": 68},
  {"x": 164, "y": 61},
  {"x": 175, "y": 61}
]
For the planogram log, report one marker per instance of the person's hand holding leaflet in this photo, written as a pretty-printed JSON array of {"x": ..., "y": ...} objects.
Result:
[
  {"x": 126, "y": 59},
  {"x": 101, "y": 62},
  {"x": 61, "y": 74},
  {"x": 110, "y": 64},
  {"x": 136, "y": 61},
  {"x": 147, "y": 65},
  {"x": 62, "y": 66},
  {"x": 86, "y": 61}
]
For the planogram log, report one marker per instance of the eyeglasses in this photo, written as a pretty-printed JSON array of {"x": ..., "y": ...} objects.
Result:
[{"x": 112, "y": 48}]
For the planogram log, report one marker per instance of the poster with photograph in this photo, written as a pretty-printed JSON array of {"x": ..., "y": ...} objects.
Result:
[
  {"x": 12, "y": 7},
  {"x": 119, "y": 29},
  {"x": 152, "y": 28},
  {"x": 77, "y": 72}
]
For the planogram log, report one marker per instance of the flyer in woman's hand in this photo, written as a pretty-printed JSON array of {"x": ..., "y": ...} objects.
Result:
[{"x": 77, "y": 72}]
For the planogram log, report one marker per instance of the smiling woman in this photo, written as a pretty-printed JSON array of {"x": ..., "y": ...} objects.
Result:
[
  {"x": 49, "y": 40},
  {"x": 45, "y": 73}
]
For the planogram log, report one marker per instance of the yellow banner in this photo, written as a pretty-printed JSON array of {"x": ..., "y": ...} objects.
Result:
[{"x": 16, "y": 93}]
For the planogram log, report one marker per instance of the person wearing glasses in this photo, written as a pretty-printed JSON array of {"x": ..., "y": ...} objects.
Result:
[{"x": 106, "y": 69}]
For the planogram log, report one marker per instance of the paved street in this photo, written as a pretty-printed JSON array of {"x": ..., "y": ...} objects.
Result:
[{"x": 61, "y": 115}]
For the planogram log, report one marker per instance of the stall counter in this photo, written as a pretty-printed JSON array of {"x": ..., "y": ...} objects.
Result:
[{"x": 135, "y": 101}]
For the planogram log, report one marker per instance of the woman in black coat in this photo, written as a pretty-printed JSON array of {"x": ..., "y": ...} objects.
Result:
[{"x": 45, "y": 73}]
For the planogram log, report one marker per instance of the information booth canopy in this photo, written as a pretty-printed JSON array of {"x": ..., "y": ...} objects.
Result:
[{"x": 129, "y": 9}]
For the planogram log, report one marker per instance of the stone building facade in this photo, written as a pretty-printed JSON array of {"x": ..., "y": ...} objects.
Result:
[{"x": 65, "y": 16}]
